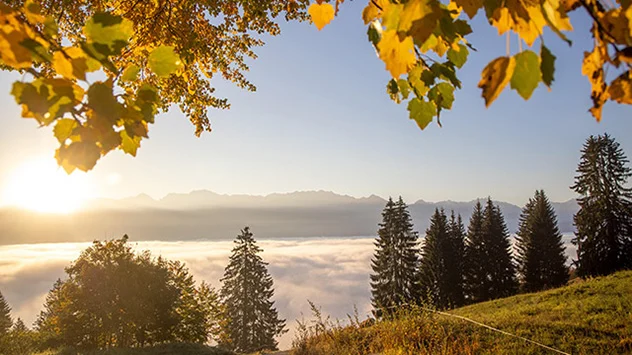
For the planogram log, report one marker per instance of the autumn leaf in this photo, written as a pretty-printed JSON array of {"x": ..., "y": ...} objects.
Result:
[
  {"x": 81, "y": 155},
  {"x": 620, "y": 89},
  {"x": 470, "y": 7},
  {"x": 526, "y": 74},
  {"x": 419, "y": 19},
  {"x": 321, "y": 14},
  {"x": 547, "y": 65},
  {"x": 421, "y": 111},
  {"x": 164, "y": 61},
  {"x": 130, "y": 73},
  {"x": 373, "y": 10},
  {"x": 64, "y": 128},
  {"x": 108, "y": 29},
  {"x": 129, "y": 145},
  {"x": 397, "y": 54},
  {"x": 458, "y": 57},
  {"x": 495, "y": 77}
]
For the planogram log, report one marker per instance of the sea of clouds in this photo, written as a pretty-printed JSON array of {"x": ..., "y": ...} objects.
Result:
[{"x": 331, "y": 272}]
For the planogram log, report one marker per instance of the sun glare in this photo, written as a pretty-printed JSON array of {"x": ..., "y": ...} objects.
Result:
[{"x": 40, "y": 185}]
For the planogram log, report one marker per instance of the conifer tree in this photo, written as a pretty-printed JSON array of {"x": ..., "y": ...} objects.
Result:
[
  {"x": 475, "y": 259},
  {"x": 491, "y": 271},
  {"x": 456, "y": 261},
  {"x": 252, "y": 321},
  {"x": 502, "y": 271},
  {"x": 539, "y": 246},
  {"x": 604, "y": 221},
  {"x": 5, "y": 316},
  {"x": 396, "y": 259}
]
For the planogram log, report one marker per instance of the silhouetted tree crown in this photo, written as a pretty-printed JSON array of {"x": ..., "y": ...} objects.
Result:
[
  {"x": 604, "y": 221},
  {"x": 539, "y": 247},
  {"x": 396, "y": 259},
  {"x": 491, "y": 271},
  {"x": 252, "y": 321},
  {"x": 441, "y": 270}
]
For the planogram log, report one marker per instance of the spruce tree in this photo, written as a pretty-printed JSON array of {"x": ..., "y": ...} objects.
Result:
[
  {"x": 441, "y": 270},
  {"x": 252, "y": 321},
  {"x": 456, "y": 261},
  {"x": 502, "y": 271},
  {"x": 5, "y": 316},
  {"x": 396, "y": 259},
  {"x": 475, "y": 259},
  {"x": 491, "y": 272},
  {"x": 604, "y": 221},
  {"x": 539, "y": 246}
]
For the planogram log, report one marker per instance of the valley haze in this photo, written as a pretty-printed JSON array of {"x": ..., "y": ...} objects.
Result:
[{"x": 205, "y": 215}]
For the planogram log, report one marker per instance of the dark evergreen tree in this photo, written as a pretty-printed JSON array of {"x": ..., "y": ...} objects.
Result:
[
  {"x": 604, "y": 221},
  {"x": 396, "y": 259},
  {"x": 491, "y": 271},
  {"x": 441, "y": 270},
  {"x": 475, "y": 276},
  {"x": 455, "y": 256},
  {"x": 252, "y": 322},
  {"x": 539, "y": 246},
  {"x": 5, "y": 316},
  {"x": 502, "y": 271}
]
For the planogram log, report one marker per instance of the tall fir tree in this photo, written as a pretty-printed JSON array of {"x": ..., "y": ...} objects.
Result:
[
  {"x": 604, "y": 221},
  {"x": 491, "y": 271},
  {"x": 441, "y": 270},
  {"x": 539, "y": 246},
  {"x": 475, "y": 259},
  {"x": 252, "y": 321},
  {"x": 456, "y": 261},
  {"x": 5, "y": 316},
  {"x": 396, "y": 259}
]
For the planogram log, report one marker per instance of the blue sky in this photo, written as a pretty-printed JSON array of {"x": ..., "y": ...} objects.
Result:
[{"x": 321, "y": 119}]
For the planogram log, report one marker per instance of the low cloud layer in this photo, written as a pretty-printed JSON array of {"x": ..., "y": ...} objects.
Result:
[{"x": 333, "y": 273}]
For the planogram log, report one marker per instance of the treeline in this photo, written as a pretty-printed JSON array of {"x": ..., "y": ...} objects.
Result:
[
  {"x": 113, "y": 297},
  {"x": 456, "y": 266}
]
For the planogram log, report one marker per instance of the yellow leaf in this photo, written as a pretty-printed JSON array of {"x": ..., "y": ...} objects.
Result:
[
  {"x": 502, "y": 20},
  {"x": 321, "y": 14},
  {"x": 620, "y": 89},
  {"x": 129, "y": 145},
  {"x": 455, "y": 10},
  {"x": 62, "y": 65},
  {"x": 495, "y": 77},
  {"x": 398, "y": 55},
  {"x": 64, "y": 128},
  {"x": 470, "y": 6},
  {"x": 373, "y": 10},
  {"x": 419, "y": 18},
  {"x": 628, "y": 15},
  {"x": 556, "y": 12}
]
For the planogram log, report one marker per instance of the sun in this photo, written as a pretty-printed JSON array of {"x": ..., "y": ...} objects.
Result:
[{"x": 40, "y": 185}]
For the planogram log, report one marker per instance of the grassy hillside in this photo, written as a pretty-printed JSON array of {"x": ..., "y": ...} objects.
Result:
[
  {"x": 586, "y": 317},
  {"x": 165, "y": 349}
]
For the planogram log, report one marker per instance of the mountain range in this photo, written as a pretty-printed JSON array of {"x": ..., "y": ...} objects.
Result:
[{"x": 205, "y": 214}]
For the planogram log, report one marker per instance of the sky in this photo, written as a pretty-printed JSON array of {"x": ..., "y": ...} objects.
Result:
[{"x": 321, "y": 120}]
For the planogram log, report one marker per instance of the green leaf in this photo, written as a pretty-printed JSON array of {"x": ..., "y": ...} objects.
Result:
[
  {"x": 392, "y": 89},
  {"x": 526, "y": 75},
  {"x": 110, "y": 30},
  {"x": 130, "y": 73},
  {"x": 547, "y": 65},
  {"x": 404, "y": 88},
  {"x": 64, "y": 128},
  {"x": 442, "y": 94},
  {"x": 129, "y": 145},
  {"x": 458, "y": 58},
  {"x": 422, "y": 112},
  {"x": 414, "y": 78},
  {"x": 164, "y": 61},
  {"x": 374, "y": 33}
]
